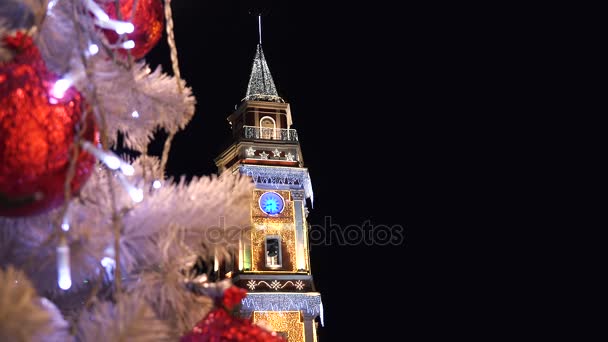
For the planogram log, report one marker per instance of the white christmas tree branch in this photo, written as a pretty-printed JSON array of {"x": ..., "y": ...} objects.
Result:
[
  {"x": 23, "y": 315},
  {"x": 131, "y": 319}
]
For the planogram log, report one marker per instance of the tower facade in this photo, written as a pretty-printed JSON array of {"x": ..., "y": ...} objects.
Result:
[{"x": 273, "y": 261}]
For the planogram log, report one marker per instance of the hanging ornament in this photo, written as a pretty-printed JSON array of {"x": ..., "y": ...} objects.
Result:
[
  {"x": 219, "y": 325},
  {"x": 39, "y": 116},
  {"x": 148, "y": 19},
  {"x": 222, "y": 324}
]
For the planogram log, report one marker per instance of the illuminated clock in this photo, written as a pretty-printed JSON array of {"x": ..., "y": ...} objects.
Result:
[{"x": 271, "y": 203}]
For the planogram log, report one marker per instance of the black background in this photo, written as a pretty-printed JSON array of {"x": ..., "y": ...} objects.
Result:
[{"x": 376, "y": 94}]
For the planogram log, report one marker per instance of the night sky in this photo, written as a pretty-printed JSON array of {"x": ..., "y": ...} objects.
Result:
[{"x": 357, "y": 80}]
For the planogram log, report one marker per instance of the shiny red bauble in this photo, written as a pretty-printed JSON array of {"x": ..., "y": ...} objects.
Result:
[
  {"x": 37, "y": 132},
  {"x": 219, "y": 325},
  {"x": 148, "y": 19}
]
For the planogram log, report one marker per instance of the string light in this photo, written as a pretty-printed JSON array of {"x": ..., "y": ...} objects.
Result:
[
  {"x": 309, "y": 303},
  {"x": 65, "y": 226},
  {"x": 109, "y": 264},
  {"x": 64, "y": 278},
  {"x": 123, "y": 27},
  {"x": 129, "y": 44},
  {"x": 288, "y": 322},
  {"x": 104, "y": 21},
  {"x": 127, "y": 169},
  {"x": 321, "y": 313},
  {"x": 137, "y": 195},
  {"x": 111, "y": 160},
  {"x": 60, "y": 87},
  {"x": 99, "y": 13},
  {"x": 156, "y": 184},
  {"x": 278, "y": 177},
  {"x": 135, "y": 114},
  {"x": 51, "y": 4},
  {"x": 93, "y": 49},
  {"x": 261, "y": 85}
]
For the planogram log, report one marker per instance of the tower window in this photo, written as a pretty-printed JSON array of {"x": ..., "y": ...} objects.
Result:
[
  {"x": 273, "y": 251},
  {"x": 267, "y": 128}
]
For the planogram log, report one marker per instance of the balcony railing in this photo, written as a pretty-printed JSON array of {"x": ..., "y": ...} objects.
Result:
[{"x": 252, "y": 132}]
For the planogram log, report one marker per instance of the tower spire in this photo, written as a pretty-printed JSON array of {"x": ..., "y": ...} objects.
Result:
[
  {"x": 260, "y": 27},
  {"x": 261, "y": 85}
]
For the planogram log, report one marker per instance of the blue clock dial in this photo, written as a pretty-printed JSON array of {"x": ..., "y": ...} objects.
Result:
[{"x": 271, "y": 203}]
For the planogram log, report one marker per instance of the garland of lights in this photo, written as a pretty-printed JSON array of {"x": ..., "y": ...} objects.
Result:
[
  {"x": 310, "y": 304},
  {"x": 280, "y": 176}
]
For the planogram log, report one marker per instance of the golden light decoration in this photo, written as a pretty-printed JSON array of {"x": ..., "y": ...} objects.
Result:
[{"x": 287, "y": 322}]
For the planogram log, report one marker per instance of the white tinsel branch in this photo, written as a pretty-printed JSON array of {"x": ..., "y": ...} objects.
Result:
[
  {"x": 23, "y": 315},
  {"x": 130, "y": 319},
  {"x": 154, "y": 97},
  {"x": 163, "y": 288},
  {"x": 187, "y": 217},
  {"x": 34, "y": 247},
  {"x": 60, "y": 331},
  {"x": 205, "y": 211},
  {"x": 136, "y": 101}
]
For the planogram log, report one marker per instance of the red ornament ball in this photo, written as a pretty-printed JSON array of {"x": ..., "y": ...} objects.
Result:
[
  {"x": 219, "y": 325},
  {"x": 148, "y": 19},
  {"x": 233, "y": 296},
  {"x": 37, "y": 131}
]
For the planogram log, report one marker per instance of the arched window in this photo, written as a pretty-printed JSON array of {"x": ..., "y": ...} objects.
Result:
[
  {"x": 273, "y": 251},
  {"x": 267, "y": 128}
]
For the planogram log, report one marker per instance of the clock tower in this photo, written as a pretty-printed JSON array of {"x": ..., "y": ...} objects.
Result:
[{"x": 272, "y": 262}]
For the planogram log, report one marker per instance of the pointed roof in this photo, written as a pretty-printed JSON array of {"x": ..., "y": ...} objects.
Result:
[{"x": 261, "y": 86}]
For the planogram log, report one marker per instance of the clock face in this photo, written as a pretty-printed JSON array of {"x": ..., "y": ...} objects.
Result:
[{"x": 271, "y": 203}]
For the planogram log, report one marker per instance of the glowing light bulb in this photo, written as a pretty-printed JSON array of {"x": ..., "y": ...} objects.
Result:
[
  {"x": 101, "y": 15},
  {"x": 127, "y": 169},
  {"x": 135, "y": 114},
  {"x": 137, "y": 195},
  {"x": 108, "y": 158},
  {"x": 97, "y": 11},
  {"x": 93, "y": 49},
  {"x": 107, "y": 262},
  {"x": 65, "y": 226},
  {"x": 124, "y": 27},
  {"x": 156, "y": 184},
  {"x": 64, "y": 279},
  {"x": 51, "y": 5},
  {"x": 60, "y": 87},
  {"x": 129, "y": 44},
  {"x": 65, "y": 282},
  {"x": 113, "y": 162}
]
